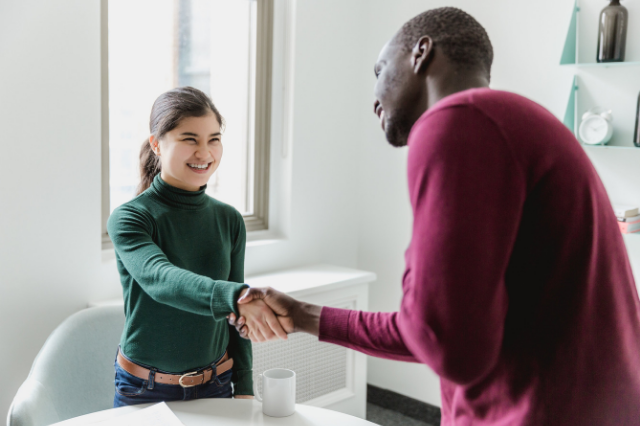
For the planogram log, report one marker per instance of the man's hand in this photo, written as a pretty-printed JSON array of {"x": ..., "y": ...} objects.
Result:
[
  {"x": 260, "y": 320},
  {"x": 243, "y": 397},
  {"x": 292, "y": 315}
]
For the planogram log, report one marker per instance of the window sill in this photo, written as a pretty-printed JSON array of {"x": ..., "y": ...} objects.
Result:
[{"x": 264, "y": 238}]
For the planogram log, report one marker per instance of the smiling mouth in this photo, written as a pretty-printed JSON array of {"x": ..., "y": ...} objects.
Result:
[
  {"x": 199, "y": 167},
  {"x": 377, "y": 108}
]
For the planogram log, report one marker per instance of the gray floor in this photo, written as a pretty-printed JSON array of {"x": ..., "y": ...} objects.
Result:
[{"x": 383, "y": 417}]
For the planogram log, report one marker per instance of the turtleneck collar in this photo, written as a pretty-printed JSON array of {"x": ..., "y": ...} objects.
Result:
[{"x": 178, "y": 197}]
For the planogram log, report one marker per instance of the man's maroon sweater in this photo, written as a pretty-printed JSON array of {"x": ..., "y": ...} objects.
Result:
[{"x": 517, "y": 290}]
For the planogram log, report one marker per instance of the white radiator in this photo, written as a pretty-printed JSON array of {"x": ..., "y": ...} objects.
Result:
[
  {"x": 322, "y": 370},
  {"x": 328, "y": 376}
]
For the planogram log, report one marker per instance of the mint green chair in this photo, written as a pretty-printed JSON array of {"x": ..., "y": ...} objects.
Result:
[{"x": 73, "y": 372}]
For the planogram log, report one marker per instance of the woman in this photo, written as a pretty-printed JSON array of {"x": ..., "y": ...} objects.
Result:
[{"x": 180, "y": 254}]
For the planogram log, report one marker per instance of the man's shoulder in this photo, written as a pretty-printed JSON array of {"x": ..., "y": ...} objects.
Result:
[
  {"x": 512, "y": 114},
  {"x": 483, "y": 100},
  {"x": 463, "y": 113}
]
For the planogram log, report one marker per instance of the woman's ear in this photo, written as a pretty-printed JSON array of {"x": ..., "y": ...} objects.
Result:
[
  {"x": 155, "y": 147},
  {"x": 422, "y": 54}
]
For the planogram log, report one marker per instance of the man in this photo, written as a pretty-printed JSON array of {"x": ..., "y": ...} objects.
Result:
[{"x": 529, "y": 312}]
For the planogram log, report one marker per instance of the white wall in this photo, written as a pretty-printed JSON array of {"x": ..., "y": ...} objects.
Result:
[
  {"x": 348, "y": 192},
  {"x": 50, "y": 258},
  {"x": 528, "y": 38}
]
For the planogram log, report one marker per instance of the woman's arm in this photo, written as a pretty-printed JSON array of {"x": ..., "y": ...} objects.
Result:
[
  {"x": 240, "y": 349},
  {"x": 131, "y": 230}
]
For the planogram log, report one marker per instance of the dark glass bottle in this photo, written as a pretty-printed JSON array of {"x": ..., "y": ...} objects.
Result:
[
  {"x": 636, "y": 135},
  {"x": 612, "y": 36}
]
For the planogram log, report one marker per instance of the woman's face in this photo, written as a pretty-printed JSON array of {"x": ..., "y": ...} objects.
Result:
[{"x": 190, "y": 153}]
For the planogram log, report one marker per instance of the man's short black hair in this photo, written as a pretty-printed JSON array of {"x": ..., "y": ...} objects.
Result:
[{"x": 462, "y": 39}]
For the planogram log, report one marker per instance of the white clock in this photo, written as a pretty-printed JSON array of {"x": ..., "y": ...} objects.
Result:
[{"x": 596, "y": 127}]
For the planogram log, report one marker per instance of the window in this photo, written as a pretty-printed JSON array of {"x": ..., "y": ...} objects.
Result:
[{"x": 222, "y": 47}]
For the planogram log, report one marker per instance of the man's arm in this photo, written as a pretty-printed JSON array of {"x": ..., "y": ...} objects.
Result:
[
  {"x": 467, "y": 193},
  {"x": 376, "y": 333}
]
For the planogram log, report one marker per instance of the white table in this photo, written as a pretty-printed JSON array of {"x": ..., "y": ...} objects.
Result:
[{"x": 231, "y": 412}]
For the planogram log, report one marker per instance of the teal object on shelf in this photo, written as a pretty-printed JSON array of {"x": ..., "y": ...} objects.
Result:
[
  {"x": 570, "y": 44},
  {"x": 570, "y": 112}
]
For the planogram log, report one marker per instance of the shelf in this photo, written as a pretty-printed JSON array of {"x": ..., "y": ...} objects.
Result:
[
  {"x": 570, "y": 51},
  {"x": 571, "y": 118},
  {"x": 610, "y": 147},
  {"x": 602, "y": 64},
  {"x": 570, "y": 115},
  {"x": 571, "y": 58}
]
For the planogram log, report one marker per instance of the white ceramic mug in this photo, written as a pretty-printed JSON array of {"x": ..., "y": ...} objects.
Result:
[{"x": 278, "y": 392}]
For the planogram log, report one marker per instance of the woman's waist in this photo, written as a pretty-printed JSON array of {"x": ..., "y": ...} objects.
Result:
[
  {"x": 174, "y": 351},
  {"x": 171, "y": 366}
]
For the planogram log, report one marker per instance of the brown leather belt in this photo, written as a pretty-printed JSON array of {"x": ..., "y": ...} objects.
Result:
[{"x": 186, "y": 380}]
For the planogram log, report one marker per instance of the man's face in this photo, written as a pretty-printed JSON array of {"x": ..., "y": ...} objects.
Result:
[{"x": 397, "y": 93}]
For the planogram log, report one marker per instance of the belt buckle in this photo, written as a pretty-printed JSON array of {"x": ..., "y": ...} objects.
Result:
[{"x": 192, "y": 374}]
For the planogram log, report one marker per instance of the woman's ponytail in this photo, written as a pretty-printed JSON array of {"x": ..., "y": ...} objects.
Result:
[
  {"x": 168, "y": 110},
  {"x": 149, "y": 167}
]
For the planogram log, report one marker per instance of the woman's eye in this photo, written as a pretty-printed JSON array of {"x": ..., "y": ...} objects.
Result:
[
  {"x": 214, "y": 140},
  {"x": 189, "y": 140}
]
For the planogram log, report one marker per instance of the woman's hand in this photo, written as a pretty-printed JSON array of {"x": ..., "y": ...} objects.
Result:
[
  {"x": 239, "y": 324},
  {"x": 260, "y": 320},
  {"x": 243, "y": 397},
  {"x": 290, "y": 313}
]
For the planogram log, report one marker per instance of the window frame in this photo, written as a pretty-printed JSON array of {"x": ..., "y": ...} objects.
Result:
[{"x": 258, "y": 220}]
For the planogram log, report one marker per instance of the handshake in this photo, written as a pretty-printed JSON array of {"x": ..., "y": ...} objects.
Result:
[{"x": 267, "y": 314}]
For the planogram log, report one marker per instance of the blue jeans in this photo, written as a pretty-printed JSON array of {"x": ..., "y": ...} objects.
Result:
[{"x": 132, "y": 390}]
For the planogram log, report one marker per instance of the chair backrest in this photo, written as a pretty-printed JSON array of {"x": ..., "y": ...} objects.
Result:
[{"x": 73, "y": 373}]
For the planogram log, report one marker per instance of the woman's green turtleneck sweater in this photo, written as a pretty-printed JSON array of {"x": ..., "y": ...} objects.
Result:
[{"x": 180, "y": 255}]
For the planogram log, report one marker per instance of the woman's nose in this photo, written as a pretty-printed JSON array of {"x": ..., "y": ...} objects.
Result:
[{"x": 201, "y": 151}]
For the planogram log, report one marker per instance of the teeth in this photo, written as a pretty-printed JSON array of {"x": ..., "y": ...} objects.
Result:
[{"x": 198, "y": 166}]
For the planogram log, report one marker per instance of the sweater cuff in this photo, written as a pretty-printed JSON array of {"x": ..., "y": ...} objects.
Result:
[
  {"x": 244, "y": 385},
  {"x": 224, "y": 298},
  {"x": 334, "y": 325}
]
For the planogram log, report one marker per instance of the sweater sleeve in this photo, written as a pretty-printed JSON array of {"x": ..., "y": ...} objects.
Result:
[
  {"x": 467, "y": 194},
  {"x": 131, "y": 232},
  {"x": 239, "y": 348},
  {"x": 374, "y": 334}
]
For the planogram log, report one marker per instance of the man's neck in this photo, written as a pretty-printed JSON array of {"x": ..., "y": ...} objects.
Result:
[{"x": 439, "y": 87}]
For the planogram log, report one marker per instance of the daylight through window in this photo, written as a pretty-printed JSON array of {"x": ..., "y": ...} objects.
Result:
[{"x": 156, "y": 45}]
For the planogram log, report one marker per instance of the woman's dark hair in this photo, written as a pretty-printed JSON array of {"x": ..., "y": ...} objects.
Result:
[{"x": 168, "y": 110}]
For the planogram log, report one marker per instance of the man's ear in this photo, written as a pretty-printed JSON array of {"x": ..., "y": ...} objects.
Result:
[{"x": 422, "y": 54}]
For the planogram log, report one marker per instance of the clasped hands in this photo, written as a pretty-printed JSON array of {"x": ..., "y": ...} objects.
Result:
[{"x": 265, "y": 315}]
